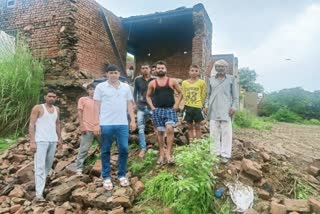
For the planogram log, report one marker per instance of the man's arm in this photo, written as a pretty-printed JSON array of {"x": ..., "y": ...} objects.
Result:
[
  {"x": 177, "y": 88},
  {"x": 58, "y": 129},
  {"x": 135, "y": 90},
  {"x": 97, "y": 105},
  {"x": 149, "y": 94},
  {"x": 206, "y": 104},
  {"x": 133, "y": 125},
  {"x": 33, "y": 118},
  {"x": 235, "y": 94}
]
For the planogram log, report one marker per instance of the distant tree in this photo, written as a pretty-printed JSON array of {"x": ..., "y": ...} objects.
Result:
[
  {"x": 303, "y": 103},
  {"x": 248, "y": 79}
]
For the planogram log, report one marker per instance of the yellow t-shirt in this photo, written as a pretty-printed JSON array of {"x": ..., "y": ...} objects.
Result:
[{"x": 194, "y": 93}]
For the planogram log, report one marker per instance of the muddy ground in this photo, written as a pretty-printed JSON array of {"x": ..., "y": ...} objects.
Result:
[{"x": 299, "y": 143}]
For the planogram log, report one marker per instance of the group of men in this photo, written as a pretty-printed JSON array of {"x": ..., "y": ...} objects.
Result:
[{"x": 108, "y": 113}]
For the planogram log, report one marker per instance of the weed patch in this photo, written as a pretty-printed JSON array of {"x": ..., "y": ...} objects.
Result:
[
  {"x": 140, "y": 166},
  {"x": 244, "y": 119},
  {"x": 188, "y": 188}
]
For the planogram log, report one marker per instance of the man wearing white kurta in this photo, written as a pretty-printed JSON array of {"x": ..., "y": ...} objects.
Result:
[{"x": 221, "y": 104}]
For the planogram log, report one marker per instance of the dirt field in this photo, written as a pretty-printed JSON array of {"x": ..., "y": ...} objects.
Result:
[{"x": 299, "y": 143}]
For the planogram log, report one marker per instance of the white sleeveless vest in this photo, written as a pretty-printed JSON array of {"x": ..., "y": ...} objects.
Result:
[{"x": 46, "y": 126}]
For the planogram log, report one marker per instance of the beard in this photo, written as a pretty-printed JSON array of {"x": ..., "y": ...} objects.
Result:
[{"x": 161, "y": 73}]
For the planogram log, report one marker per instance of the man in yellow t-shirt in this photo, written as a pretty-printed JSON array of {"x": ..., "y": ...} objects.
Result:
[{"x": 194, "y": 93}]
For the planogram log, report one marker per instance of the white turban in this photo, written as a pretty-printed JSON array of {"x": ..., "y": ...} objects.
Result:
[{"x": 221, "y": 62}]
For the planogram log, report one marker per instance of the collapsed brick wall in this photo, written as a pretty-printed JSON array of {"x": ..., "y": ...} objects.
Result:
[{"x": 94, "y": 49}]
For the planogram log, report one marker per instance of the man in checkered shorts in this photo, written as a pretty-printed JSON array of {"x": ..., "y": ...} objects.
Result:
[{"x": 160, "y": 97}]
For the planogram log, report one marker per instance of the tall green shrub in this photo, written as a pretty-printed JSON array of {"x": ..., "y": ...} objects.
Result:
[{"x": 21, "y": 80}]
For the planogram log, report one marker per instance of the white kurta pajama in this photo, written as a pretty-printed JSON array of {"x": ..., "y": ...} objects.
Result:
[{"x": 222, "y": 95}]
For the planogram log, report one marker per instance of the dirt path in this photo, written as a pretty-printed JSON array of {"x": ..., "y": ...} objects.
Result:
[{"x": 299, "y": 143}]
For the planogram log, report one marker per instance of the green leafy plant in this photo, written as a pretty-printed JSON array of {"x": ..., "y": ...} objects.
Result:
[
  {"x": 302, "y": 191},
  {"x": 188, "y": 189},
  {"x": 139, "y": 166},
  {"x": 21, "y": 80},
  {"x": 244, "y": 119}
]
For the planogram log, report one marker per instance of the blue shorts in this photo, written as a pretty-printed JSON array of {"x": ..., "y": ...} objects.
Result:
[{"x": 164, "y": 116}]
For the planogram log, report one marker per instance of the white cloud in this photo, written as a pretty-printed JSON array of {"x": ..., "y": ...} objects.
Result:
[{"x": 298, "y": 41}]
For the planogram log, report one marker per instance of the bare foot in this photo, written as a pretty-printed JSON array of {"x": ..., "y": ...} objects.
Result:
[{"x": 142, "y": 154}]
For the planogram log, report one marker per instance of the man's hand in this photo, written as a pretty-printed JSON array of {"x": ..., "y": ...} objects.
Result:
[
  {"x": 176, "y": 107},
  {"x": 33, "y": 147},
  {"x": 97, "y": 130},
  {"x": 205, "y": 110},
  {"x": 232, "y": 111},
  {"x": 133, "y": 126}
]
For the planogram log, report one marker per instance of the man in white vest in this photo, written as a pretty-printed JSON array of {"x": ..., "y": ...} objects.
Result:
[{"x": 44, "y": 131}]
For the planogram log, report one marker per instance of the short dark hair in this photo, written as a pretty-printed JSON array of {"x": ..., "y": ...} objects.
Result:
[
  {"x": 194, "y": 66},
  {"x": 50, "y": 90},
  {"x": 161, "y": 62},
  {"x": 153, "y": 66},
  {"x": 145, "y": 64},
  {"x": 112, "y": 68},
  {"x": 91, "y": 85}
]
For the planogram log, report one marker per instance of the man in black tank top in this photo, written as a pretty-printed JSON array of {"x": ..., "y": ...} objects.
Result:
[{"x": 163, "y": 105}]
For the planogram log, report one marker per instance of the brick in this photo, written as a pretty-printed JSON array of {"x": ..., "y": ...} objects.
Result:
[
  {"x": 313, "y": 170},
  {"x": 278, "y": 208},
  {"x": 249, "y": 167},
  {"x": 315, "y": 205},
  {"x": 96, "y": 169},
  {"x": 297, "y": 205},
  {"x": 263, "y": 194}
]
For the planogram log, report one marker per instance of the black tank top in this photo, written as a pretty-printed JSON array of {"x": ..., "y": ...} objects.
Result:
[{"x": 163, "y": 96}]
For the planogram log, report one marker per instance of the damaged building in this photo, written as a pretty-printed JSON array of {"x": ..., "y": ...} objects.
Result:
[{"x": 78, "y": 38}]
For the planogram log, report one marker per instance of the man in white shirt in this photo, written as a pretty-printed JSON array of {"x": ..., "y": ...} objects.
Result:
[{"x": 113, "y": 100}]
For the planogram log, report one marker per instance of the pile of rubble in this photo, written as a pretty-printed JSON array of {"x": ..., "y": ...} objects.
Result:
[
  {"x": 271, "y": 175},
  {"x": 65, "y": 192},
  {"x": 273, "y": 178}
]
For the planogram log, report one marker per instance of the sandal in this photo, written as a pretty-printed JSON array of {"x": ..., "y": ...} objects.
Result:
[
  {"x": 160, "y": 161},
  {"x": 124, "y": 182},
  {"x": 107, "y": 184}
]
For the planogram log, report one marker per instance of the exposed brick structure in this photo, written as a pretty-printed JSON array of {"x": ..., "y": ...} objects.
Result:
[
  {"x": 181, "y": 37},
  {"x": 70, "y": 34},
  {"x": 78, "y": 38},
  {"x": 94, "y": 46}
]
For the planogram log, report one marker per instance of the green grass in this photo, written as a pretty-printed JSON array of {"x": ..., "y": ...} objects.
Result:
[
  {"x": 303, "y": 191},
  {"x": 140, "y": 167},
  {"x": 311, "y": 122},
  {"x": 21, "y": 80},
  {"x": 188, "y": 187},
  {"x": 244, "y": 119},
  {"x": 6, "y": 142}
]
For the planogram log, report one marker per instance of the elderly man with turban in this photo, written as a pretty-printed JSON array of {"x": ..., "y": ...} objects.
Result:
[{"x": 221, "y": 104}]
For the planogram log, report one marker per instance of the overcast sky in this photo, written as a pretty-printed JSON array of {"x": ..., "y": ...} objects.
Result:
[{"x": 279, "y": 39}]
